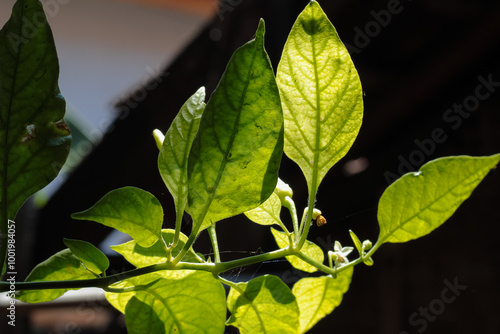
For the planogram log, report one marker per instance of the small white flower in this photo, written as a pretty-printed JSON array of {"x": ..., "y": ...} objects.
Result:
[{"x": 340, "y": 254}]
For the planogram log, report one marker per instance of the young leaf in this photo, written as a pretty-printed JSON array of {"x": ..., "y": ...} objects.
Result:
[
  {"x": 310, "y": 249},
  {"x": 321, "y": 95},
  {"x": 263, "y": 305},
  {"x": 193, "y": 304},
  {"x": 235, "y": 157},
  {"x": 319, "y": 296},
  {"x": 130, "y": 210},
  {"x": 141, "y": 257},
  {"x": 92, "y": 258},
  {"x": 174, "y": 153},
  {"x": 35, "y": 141},
  {"x": 419, "y": 202},
  {"x": 268, "y": 213},
  {"x": 62, "y": 266}
]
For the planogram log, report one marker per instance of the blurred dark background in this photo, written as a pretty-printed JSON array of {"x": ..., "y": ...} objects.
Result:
[{"x": 427, "y": 67}]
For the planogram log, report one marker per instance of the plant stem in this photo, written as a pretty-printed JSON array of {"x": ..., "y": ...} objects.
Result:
[
  {"x": 178, "y": 222},
  {"x": 315, "y": 263},
  {"x": 104, "y": 282},
  {"x": 307, "y": 220},
  {"x": 225, "y": 266},
  {"x": 188, "y": 244},
  {"x": 167, "y": 249},
  {"x": 214, "y": 268},
  {"x": 290, "y": 205},
  {"x": 303, "y": 219},
  {"x": 215, "y": 245},
  {"x": 229, "y": 284}
]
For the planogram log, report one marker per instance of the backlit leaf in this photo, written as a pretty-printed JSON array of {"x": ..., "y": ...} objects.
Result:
[
  {"x": 263, "y": 305},
  {"x": 174, "y": 153},
  {"x": 194, "y": 304},
  {"x": 92, "y": 258},
  {"x": 321, "y": 95},
  {"x": 319, "y": 296},
  {"x": 419, "y": 202},
  {"x": 235, "y": 157},
  {"x": 61, "y": 266},
  {"x": 141, "y": 256},
  {"x": 268, "y": 213},
  {"x": 35, "y": 141},
  {"x": 129, "y": 210}
]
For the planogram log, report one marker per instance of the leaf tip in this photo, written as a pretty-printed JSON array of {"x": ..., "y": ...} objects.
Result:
[{"x": 261, "y": 29}]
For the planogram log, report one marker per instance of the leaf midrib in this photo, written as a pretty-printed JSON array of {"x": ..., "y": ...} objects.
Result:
[{"x": 315, "y": 166}]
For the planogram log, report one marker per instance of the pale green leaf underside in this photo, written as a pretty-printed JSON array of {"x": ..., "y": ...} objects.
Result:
[
  {"x": 309, "y": 248},
  {"x": 268, "y": 213},
  {"x": 174, "y": 153},
  {"x": 419, "y": 202},
  {"x": 91, "y": 257},
  {"x": 319, "y": 296},
  {"x": 263, "y": 305},
  {"x": 193, "y": 304},
  {"x": 129, "y": 210},
  {"x": 321, "y": 95},
  {"x": 141, "y": 256},
  {"x": 62, "y": 266},
  {"x": 235, "y": 157},
  {"x": 34, "y": 140}
]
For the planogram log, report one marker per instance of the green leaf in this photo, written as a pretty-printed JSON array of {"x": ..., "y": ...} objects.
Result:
[
  {"x": 174, "y": 153},
  {"x": 91, "y": 257},
  {"x": 319, "y": 296},
  {"x": 193, "y": 304},
  {"x": 141, "y": 256},
  {"x": 321, "y": 95},
  {"x": 309, "y": 248},
  {"x": 419, "y": 202},
  {"x": 263, "y": 305},
  {"x": 141, "y": 317},
  {"x": 34, "y": 140},
  {"x": 234, "y": 160},
  {"x": 62, "y": 266},
  {"x": 129, "y": 210},
  {"x": 268, "y": 213}
]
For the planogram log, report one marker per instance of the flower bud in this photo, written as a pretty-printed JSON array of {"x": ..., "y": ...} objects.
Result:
[
  {"x": 159, "y": 138},
  {"x": 283, "y": 190}
]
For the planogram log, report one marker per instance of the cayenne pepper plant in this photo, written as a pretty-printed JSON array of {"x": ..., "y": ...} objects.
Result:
[{"x": 218, "y": 159}]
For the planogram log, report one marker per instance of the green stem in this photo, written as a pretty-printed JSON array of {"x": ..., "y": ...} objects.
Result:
[
  {"x": 225, "y": 266},
  {"x": 290, "y": 205},
  {"x": 307, "y": 224},
  {"x": 188, "y": 244},
  {"x": 215, "y": 268},
  {"x": 230, "y": 284},
  {"x": 104, "y": 282},
  {"x": 315, "y": 263},
  {"x": 302, "y": 220},
  {"x": 215, "y": 245},
  {"x": 178, "y": 222},
  {"x": 167, "y": 249}
]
